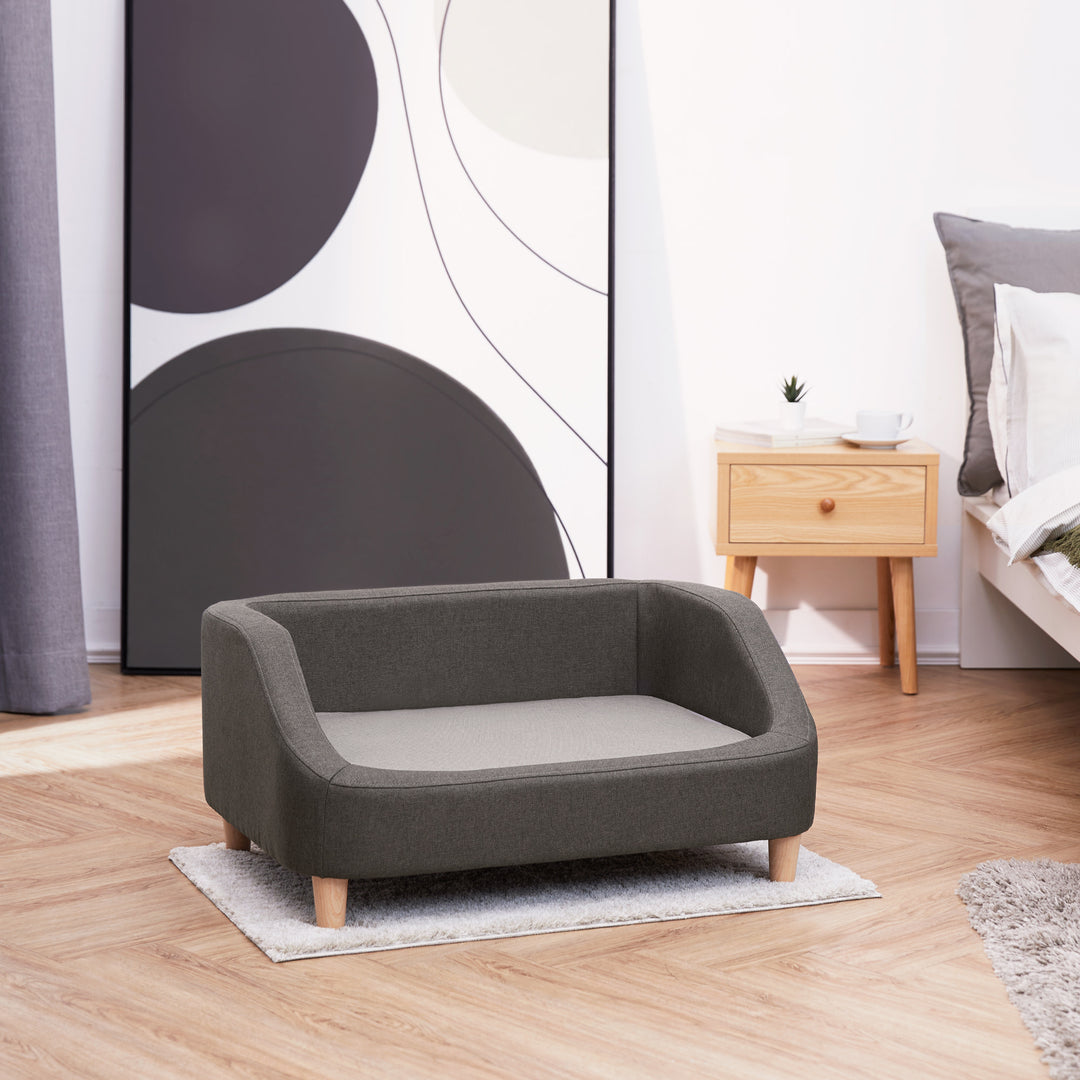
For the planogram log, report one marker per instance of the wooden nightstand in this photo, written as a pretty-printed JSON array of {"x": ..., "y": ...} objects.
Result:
[{"x": 834, "y": 500}]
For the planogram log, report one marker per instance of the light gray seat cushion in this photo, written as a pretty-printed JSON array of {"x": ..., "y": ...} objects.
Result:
[{"x": 501, "y": 735}]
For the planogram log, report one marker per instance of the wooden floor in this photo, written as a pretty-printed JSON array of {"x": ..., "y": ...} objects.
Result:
[{"x": 114, "y": 966}]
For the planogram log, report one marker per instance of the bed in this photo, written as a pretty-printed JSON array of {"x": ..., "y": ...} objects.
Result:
[
  {"x": 1017, "y": 295},
  {"x": 999, "y": 603}
]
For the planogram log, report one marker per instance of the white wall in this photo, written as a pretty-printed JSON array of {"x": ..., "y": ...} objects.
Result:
[{"x": 777, "y": 168}]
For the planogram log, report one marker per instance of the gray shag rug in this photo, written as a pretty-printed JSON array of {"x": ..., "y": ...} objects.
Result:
[
  {"x": 1028, "y": 914},
  {"x": 274, "y": 907}
]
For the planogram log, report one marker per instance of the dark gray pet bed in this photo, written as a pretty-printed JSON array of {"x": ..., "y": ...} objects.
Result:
[{"x": 388, "y": 732}]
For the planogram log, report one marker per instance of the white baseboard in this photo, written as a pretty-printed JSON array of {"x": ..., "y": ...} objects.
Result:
[
  {"x": 102, "y": 634},
  {"x": 845, "y": 636}
]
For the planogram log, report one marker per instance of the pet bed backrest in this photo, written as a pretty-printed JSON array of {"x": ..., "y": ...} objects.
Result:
[{"x": 462, "y": 645}]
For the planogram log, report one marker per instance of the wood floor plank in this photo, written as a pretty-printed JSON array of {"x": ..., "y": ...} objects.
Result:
[
  {"x": 861, "y": 1011},
  {"x": 112, "y": 964}
]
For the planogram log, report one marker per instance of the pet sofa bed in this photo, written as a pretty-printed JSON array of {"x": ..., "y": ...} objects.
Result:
[{"x": 390, "y": 732}]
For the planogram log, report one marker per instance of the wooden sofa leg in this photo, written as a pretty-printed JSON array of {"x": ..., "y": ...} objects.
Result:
[
  {"x": 330, "y": 898},
  {"x": 235, "y": 840},
  {"x": 783, "y": 858}
]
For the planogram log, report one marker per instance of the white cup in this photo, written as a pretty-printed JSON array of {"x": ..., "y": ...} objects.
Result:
[{"x": 881, "y": 424}]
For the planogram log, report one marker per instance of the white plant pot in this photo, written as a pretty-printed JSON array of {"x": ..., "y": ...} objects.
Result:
[{"x": 793, "y": 415}]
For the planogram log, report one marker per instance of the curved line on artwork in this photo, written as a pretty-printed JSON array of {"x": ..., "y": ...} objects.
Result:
[
  {"x": 442, "y": 258},
  {"x": 562, "y": 525},
  {"x": 521, "y": 458},
  {"x": 468, "y": 175}
]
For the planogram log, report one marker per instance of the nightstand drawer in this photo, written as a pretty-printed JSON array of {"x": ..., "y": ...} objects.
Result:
[{"x": 827, "y": 504}]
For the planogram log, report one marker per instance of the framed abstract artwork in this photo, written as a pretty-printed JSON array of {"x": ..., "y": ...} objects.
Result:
[{"x": 367, "y": 301}]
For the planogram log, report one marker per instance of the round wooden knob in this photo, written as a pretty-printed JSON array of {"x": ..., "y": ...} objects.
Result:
[{"x": 827, "y": 505}]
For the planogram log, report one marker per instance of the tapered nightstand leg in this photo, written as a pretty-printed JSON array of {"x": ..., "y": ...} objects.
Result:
[
  {"x": 739, "y": 574},
  {"x": 886, "y": 619},
  {"x": 903, "y": 588}
]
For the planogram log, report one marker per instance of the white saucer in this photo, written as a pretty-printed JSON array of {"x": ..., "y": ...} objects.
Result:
[{"x": 870, "y": 444}]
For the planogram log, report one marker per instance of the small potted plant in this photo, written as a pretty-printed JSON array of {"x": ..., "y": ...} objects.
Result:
[{"x": 793, "y": 408}]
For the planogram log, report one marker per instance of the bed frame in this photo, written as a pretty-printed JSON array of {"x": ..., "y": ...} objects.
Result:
[{"x": 1008, "y": 618}]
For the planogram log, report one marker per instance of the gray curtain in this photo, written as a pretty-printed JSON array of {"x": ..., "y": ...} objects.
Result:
[{"x": 42, "y": 642}]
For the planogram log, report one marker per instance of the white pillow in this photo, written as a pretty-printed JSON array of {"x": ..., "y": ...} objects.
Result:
[{"x": 1034, "y": 398}]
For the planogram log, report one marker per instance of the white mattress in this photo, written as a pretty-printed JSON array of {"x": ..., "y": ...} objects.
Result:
[{"x": 470, "y": 737}]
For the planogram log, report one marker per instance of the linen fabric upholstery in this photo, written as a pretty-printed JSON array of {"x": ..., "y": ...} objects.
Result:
[
  {"x": 979, "y": 255},
  {"x": 270, "y": 771},
  {"x": 443, "y": 645}
]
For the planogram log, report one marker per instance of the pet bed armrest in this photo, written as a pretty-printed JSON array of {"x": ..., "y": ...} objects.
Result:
[
  {"x": 712, "y": 651},
  {"x": 265, "y": 758}
]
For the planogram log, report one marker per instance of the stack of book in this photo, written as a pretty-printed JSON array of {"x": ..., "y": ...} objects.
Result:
[{"x": 769, "y": 433}]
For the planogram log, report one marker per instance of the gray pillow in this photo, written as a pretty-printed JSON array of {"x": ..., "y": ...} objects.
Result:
[{"x": 979, "y": 255}]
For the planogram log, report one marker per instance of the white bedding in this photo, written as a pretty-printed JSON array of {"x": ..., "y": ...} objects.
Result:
[
  {"x": 1039, "y": 513},
  {"x": 1060, "y": 577}
]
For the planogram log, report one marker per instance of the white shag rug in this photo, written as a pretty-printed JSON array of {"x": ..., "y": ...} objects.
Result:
[
  {"x": 1028, "y": 915},
  {"x": 274, "y": 906}
]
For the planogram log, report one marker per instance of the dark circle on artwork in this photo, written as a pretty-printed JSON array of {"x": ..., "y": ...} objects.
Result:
[
  {"x": 286, "y": 460},
  {"x": 251, "y": 124}
]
